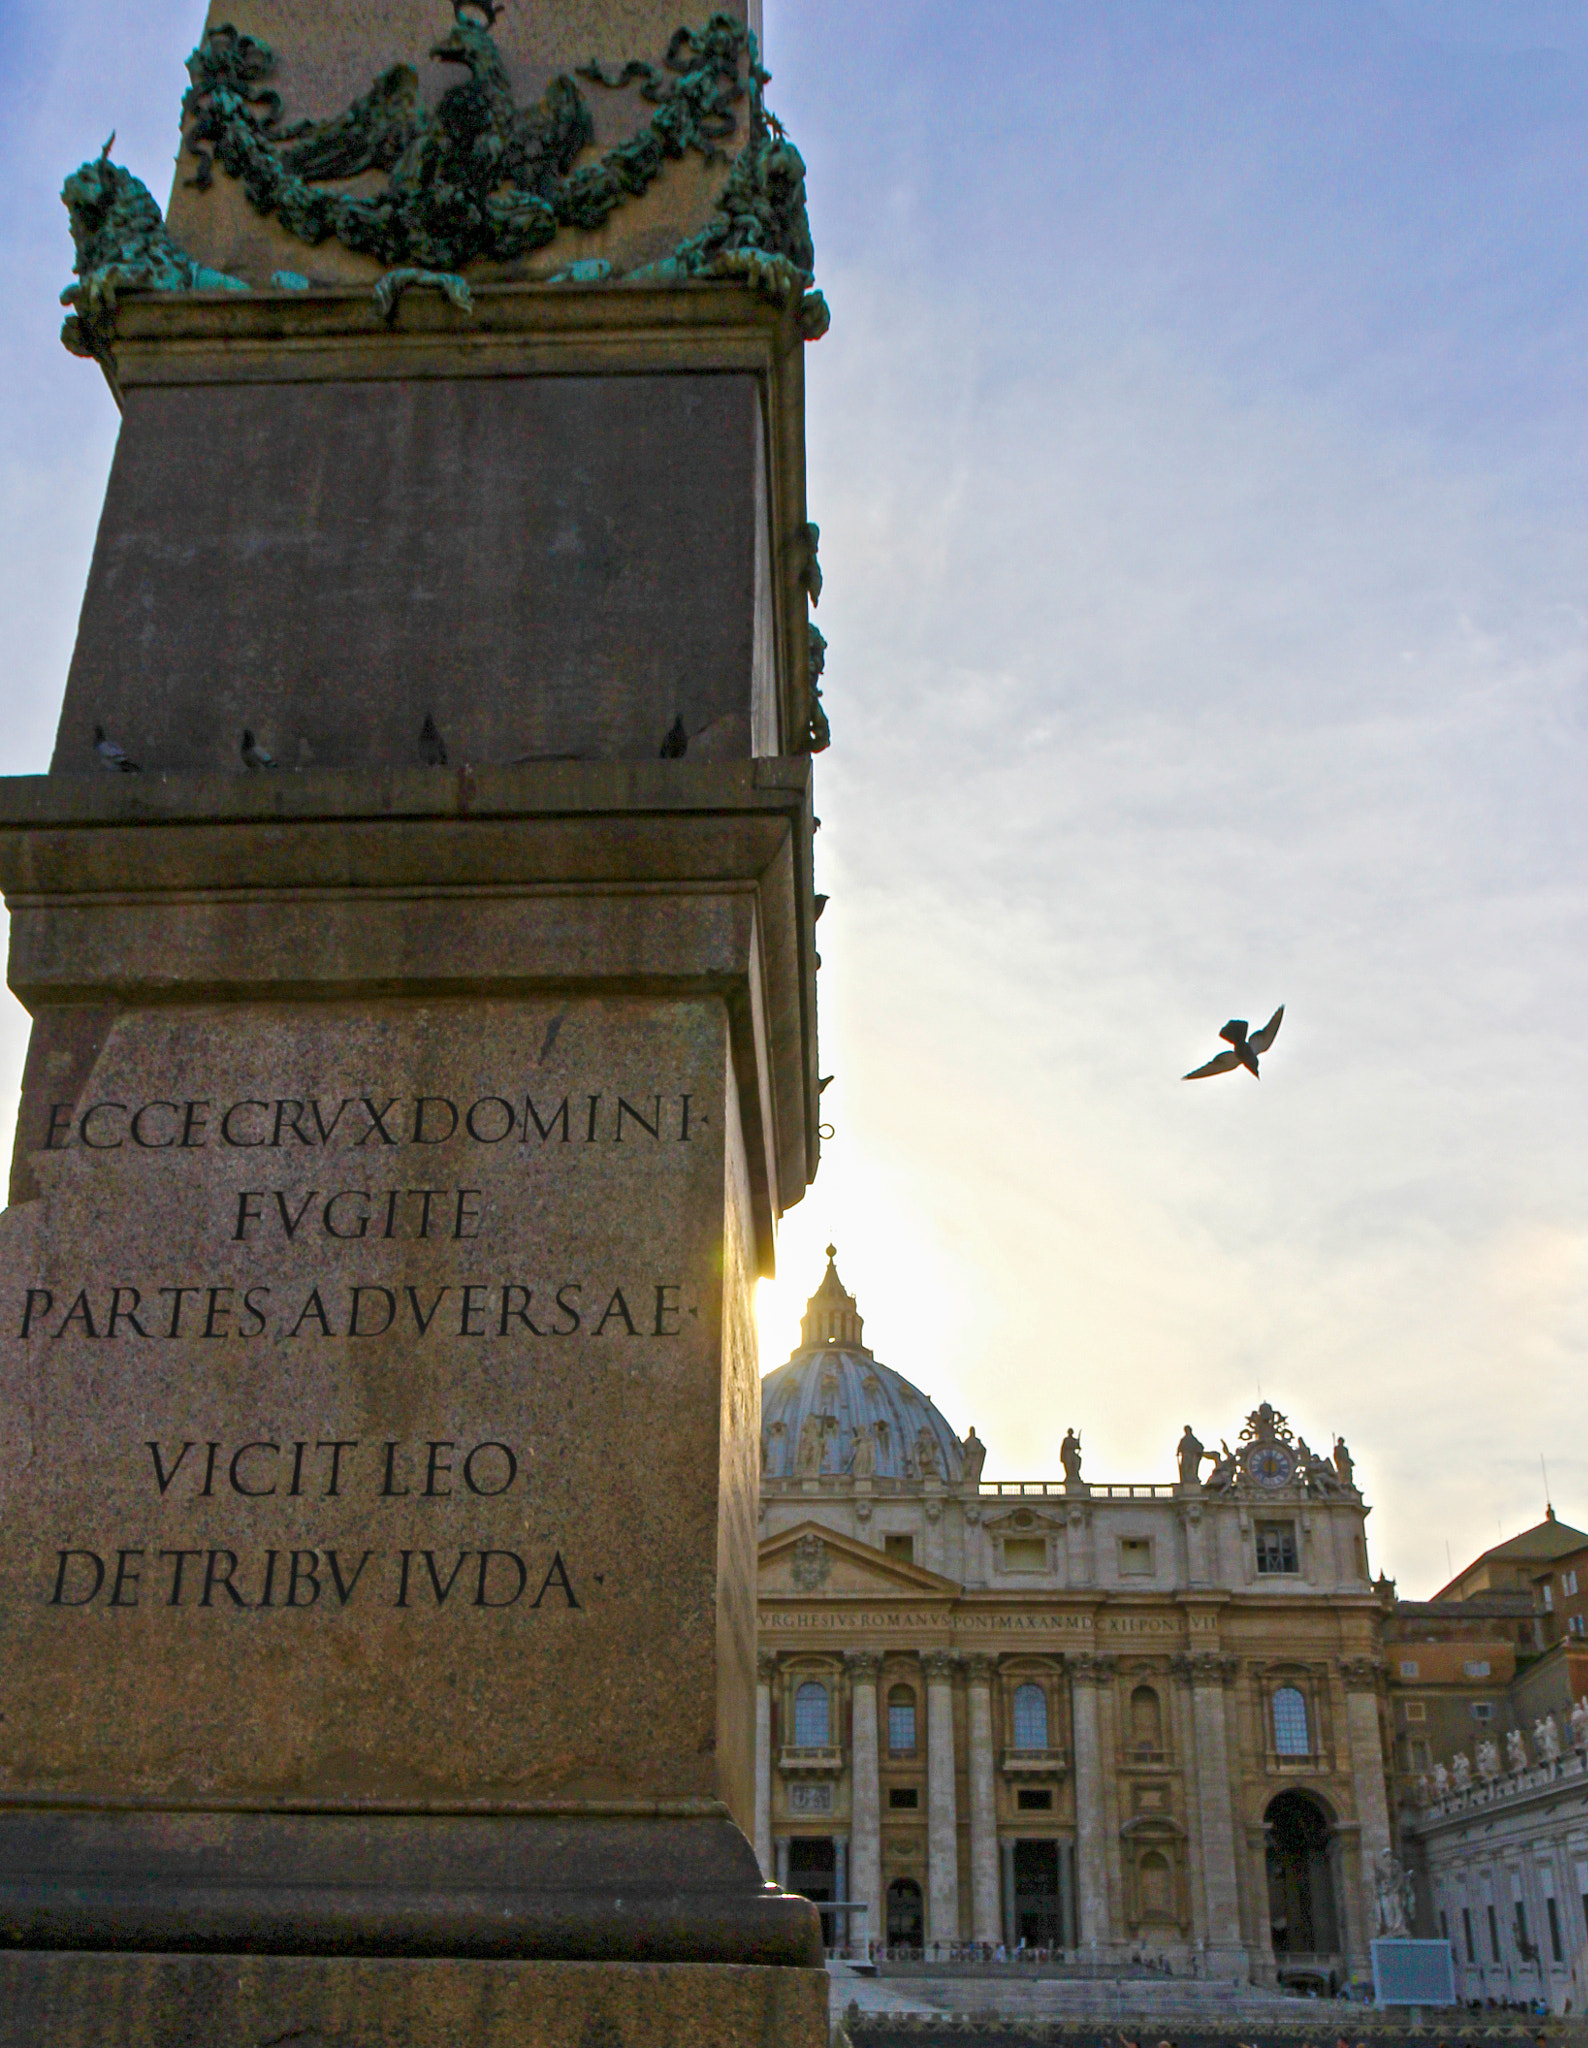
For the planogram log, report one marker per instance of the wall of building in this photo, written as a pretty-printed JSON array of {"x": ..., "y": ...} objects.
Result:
[{"x": 1157, "y": 1647}]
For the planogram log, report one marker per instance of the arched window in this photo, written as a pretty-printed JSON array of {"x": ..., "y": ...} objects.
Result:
[
  {"x": 810, "y": 1716},
  {"x": 901, "y": 1721},
  {"x": 1031, "y": 1717},
  {"x": 1290, "y": 1723},
  {"x": 1146, "y": 1721}
]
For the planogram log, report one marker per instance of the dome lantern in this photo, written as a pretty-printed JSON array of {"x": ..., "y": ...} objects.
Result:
[{"x": 831, "y": 1316}]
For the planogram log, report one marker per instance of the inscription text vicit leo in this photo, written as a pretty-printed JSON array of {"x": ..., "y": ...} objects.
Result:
[{"x": 305, "y": 1190}]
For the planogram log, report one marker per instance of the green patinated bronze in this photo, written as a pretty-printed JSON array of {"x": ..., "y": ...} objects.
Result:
[
  {"x": 482, "y": 177},
  {"x": 817, "y": 735},
  {"x": 390, "y": 288},
  {"x": 119, "y": 236}
]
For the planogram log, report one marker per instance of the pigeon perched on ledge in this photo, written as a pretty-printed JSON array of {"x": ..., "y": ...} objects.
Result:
[
  {"x": 256, "y": 759},
  {"x": 110, "y": 755},
  {"x": 1243, "y": 1051},
  {"x": 432, "y": 747}
]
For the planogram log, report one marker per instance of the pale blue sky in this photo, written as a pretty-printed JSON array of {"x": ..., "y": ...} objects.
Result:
[{"x": 1199, "y": 454}]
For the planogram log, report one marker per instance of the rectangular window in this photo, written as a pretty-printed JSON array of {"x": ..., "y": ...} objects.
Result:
[
  {"x": 1522, "y": 1942},
  {"x": 903, "y": 1799},
  {"x": 1416, "y": 1711},
  {"x": 1290, "y": 1723},
  {"x": 1475, "y": 1667},
  {"x": 1549, "y": 1596},
  {"x": 1582, "y": 1889},
  {"x": 810, "y": 1717},
  {"x": 1552, "y": 1914},
  {"x": 1494, "y": 1931},
  {"x": 1025, "y": 1553},
  {"x": 1409, "y": 1667},
  {"x": 1421, "y": 1757},
  {"x": 1466, "y": 1929},
  {"x": 1568, "y": 1582},
  {"x": 1135, "y": 1557},
  {"x": 1276, "y": 1547},
  {"x": 1030, "y": 1799},
  {"x": 1444, "y": 1925},
  {"x": 1483, "y": 1710},
  {"x": 900, "y": 1547},
  {"x": 1575, "y": 1623}
]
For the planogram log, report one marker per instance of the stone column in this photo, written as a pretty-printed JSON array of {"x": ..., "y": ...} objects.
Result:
[
  {"x": 1220, "y": 1886},
  {"x": 780, "y": 1853},
  {"x": 765, "y": 1676},
  {"x": 1360, "y": 1676},
  {"x": 1091, "y": 1848},
  {"x": 1185, "y": 1752},
  {"x": 983, "y": 1808},
  {"x": 942, "y": 1822},
  {"x": 1072, "y": 1937},
  {"x": 865, "y": 1798}
]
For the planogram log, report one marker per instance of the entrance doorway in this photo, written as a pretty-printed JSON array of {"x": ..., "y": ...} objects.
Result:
[
  {"x": 1039, "y": 1916},
  {"x": 812, "y": 1867},
  {"x": 1302, "y": 1914},
  {"x": 906, "y": 1928}
]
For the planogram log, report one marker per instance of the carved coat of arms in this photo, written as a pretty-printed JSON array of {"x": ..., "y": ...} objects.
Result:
[{"x": 813, "y": 1564}]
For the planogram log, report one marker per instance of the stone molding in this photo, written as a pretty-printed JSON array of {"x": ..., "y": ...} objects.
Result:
[
  {"x": 939, "y": 1666},
  {"x": 343, "y": 884}
]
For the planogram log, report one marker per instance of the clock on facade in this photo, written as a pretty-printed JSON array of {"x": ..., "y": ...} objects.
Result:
[{"x": 1270, "y": 1464}]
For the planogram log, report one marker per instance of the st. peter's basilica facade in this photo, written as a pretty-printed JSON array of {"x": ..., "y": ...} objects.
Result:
[{"x": 1118, "y": 1719}]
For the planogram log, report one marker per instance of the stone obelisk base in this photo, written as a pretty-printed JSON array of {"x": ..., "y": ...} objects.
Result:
[{"x": 90, "y": 2000}]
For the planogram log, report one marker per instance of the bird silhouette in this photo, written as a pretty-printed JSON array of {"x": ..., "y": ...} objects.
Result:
[
  {"x": 110, "y": 755},
  {"x": 432, "y": 747},
  {"x": 256, "y": 759},
  {"x": 1243, "y": 1051},
  {"x": 676, "y": 743}
]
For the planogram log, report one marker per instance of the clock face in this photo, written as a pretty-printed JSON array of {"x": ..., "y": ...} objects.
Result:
[{"x": 1270, "y": 1464}]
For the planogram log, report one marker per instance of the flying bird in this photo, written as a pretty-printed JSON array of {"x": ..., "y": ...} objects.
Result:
[
  {"x": 256, "y": 759},
  {"x": 432, "y": 747},
  {"x": 675, "y": 741},
  {"x": 1243, "y": 1051},
  {"x": 110, "y": 755}
]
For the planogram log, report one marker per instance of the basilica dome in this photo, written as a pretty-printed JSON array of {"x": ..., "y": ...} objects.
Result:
[{"x": 821, "y": 1412}]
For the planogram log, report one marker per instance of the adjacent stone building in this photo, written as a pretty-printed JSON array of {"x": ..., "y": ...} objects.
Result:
[
  {"x": 1487, "y": 1685},
  {"x": 1119, "y": 1718}
]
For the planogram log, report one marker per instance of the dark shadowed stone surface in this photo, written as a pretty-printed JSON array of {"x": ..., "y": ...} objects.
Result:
[
  {"x": 547, "y": 565},
  {"x": 106, "y": 2001}
]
